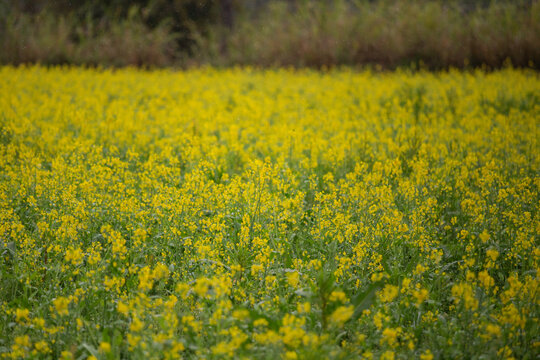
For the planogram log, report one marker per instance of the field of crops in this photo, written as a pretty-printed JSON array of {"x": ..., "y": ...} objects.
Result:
[{"x": 269, "y": 214}]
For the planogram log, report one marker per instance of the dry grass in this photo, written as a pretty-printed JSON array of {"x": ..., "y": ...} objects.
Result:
[
  {"x": 390, "y": 34},
  {"x": 48, "y": 39},
  {"x": 386, "y": 33}
]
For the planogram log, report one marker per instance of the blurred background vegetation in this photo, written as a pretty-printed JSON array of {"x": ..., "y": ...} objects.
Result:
[{"x": 182, "y": 33}]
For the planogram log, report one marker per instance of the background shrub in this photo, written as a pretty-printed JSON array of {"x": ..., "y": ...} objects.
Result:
[{"x": 434, "y": 34}]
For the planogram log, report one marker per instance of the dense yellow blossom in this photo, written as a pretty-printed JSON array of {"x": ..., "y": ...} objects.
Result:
[{"x": 242, "y": 213}]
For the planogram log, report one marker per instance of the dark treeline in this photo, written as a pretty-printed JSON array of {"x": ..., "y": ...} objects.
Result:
[{"x": 435, "y": 34}]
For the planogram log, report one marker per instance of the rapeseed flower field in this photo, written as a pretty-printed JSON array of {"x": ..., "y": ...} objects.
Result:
[{"x": 268, "y": 214}]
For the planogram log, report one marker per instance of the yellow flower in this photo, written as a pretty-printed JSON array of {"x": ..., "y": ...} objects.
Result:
[
  {"x": 104, "y": 347},
  {"x": 341, "y": 315},
  {"x": 390, "y": 336},
  {"x": 405, "y": 285},
  {"x": 42, "y": 347},
  {"x": 118, "y": 243},
  {"x": 61, "y": 305},
  {"x": 484, "y": 236},
  {"x": 291, "y": 355},
  {"x": 146, "y": 280},
  {"x": 464, "y": 291},
  {"x": 492, "y": 254},
  {"x": 256, "y": 269},
  {"x": 202, "y": 286},
  {"x": 485, "y": 280},
  {"x": 260, "y": 322},
  {"x": 178, "y": 347},
  {"x": 136, "y": 325},
  {"x": 223, "y": 348},
  {"x": 39, "y": 323},
  {"x": 66, "y": 355},
  {"x": 268, "y": 337},
  {"x": 420, "y": 295},
  {"x": 303, "y": 308},
  {"x": 389, "y": 293},
  {"x": 379, "y": 318},
  {"x": 293, "y": 278},
  {"x": 419, "y": 269},
  {"x": 492, "y": 331},
  {"x": 510, "y": 315},
  {"x": 21, "y": 314},
  {"x": 160, "y": 271},
  {"x": 240, "y": 314},
  {"x": 75, "y": 256},
  {"x": 133, "y": 340},
  {"x": 338, "y": 295},
  {"x": 23, "y": 341}
]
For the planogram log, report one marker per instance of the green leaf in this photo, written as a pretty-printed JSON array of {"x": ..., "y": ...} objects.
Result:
[
  {"x": 92, "y": 350},
  {"x": 363, "y": 300}
]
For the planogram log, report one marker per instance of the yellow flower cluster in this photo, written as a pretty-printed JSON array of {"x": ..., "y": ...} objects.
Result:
[{"x": 282, "y": 213}]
